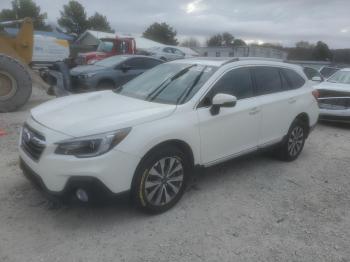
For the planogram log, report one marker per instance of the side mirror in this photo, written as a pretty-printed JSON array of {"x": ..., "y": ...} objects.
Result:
[
  {"x": 125, "y": 67},
  {"x": 222, "y": 100},
  {"x": 317, "y": 79}
]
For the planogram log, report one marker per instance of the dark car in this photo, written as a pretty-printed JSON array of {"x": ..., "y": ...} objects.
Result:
[{"x": 111, "y": 72}]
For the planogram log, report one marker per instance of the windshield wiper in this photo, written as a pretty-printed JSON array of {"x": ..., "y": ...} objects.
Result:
[
  {"x": 151, "y": 96},
  {"x": 188, "y": 90}
]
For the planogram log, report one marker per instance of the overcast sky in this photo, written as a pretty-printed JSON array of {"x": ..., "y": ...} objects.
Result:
[{"x": 279, "y": 21}]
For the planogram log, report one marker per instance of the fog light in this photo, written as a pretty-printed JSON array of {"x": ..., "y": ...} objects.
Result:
[{"x": 82, "y": 195}]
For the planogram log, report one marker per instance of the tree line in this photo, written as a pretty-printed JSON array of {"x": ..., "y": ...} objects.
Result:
[{"x": 74, "y": 20}]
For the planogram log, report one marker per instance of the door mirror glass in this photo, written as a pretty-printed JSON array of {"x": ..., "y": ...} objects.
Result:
[
  {"x": 222, "y": 100},
  {"x": 317, "y": 79}
]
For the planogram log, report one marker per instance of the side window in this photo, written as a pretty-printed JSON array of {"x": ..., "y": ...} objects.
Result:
[
  {"x": 268, "y": 80},
  {"x": 294, "y": 79},
  {"x": 150, "y": 63},
  {"x": 168, "y": 50},
  {"x": 236, "y": 82},
  {"x": 178, "y": 52},
  {"x": 310, "y": 73},
  {"x": 137, "y": 63}
]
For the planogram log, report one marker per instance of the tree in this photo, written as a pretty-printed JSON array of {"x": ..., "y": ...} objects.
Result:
[
  {"x": 190, "y": 42},
  {"x": 227, "y": 39},
  {"x": 215, "y": 40},
  {"x": 73, "y": 18},
  {"x": 322, "y": 52},
  {"x": 100, "y": 23},
  {"x": 239, "y": 42},
  {"x": 25, "y": 8},
  {"x": 224, "y": 39},
  {"x": 304, "y": 44},
  {"x": 162, "y": 33}
]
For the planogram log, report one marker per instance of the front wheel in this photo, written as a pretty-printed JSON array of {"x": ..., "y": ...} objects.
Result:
[
  {"x": 160, "y": 180},
  {"x": 293, "y": 144}
]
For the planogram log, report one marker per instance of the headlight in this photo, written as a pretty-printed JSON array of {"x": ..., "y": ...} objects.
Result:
[
  {"x": 88, "y": 75},
  {"x": 91, "y": 146}
]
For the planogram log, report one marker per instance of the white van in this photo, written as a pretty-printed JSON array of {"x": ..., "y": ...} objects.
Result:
[{"x": 48, "y": 50}]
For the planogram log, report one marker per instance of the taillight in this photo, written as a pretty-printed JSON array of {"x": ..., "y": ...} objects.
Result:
[{"x": 316, "y": 94}]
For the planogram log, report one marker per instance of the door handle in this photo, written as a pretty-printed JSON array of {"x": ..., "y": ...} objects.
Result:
[
  {"x": 292, "y": 100},
  {"x": 254, "y": 111}
]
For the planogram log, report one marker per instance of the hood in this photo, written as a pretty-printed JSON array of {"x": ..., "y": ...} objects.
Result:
[
  {"x": 333, "y": 86},
  {"x": 97, "y": 112},
  {"x": 86, "y": 69}
]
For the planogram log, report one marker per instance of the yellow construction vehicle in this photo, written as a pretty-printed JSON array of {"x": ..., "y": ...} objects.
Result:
[{"x": 15, "y": 56}]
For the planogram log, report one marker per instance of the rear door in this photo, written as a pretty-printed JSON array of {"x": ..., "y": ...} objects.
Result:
[
  {"x": 235, "y": 129},
  {"x": 277, "y": 101}
]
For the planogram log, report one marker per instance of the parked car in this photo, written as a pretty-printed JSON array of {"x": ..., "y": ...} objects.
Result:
[
  {"x": 328, "y": 71},
  {"x": 313, "y": 75},
  {"x": 167, "y": 53},
  {"x": 147, "y": 136},
  {"x": 111, "y": 72},
  {"x": 334, "y": 97}
]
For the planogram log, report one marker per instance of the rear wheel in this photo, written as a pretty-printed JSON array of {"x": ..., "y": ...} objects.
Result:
[
  {"x": 160, "y": 180},
  {"x": 293, "y": 144},
  {"x": 15, "y": 84}
]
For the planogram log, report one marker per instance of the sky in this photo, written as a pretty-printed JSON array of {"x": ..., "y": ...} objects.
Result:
[{"x": 277, "y": 21}]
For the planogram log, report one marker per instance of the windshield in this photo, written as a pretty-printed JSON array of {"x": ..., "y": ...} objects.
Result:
[
  {"x": 111, "y": 61},
  {"x": 168, "y": 83},
  {"x": 105, "y": 46},
  {"x": 328, "y": 71},
  {"x": 342, "y": 77}
]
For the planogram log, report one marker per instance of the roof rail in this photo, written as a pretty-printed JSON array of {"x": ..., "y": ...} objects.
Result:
[{"x": 236, "y": 59}]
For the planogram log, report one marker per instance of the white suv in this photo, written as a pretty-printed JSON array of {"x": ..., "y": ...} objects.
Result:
[{"x": 147, "y": 136}]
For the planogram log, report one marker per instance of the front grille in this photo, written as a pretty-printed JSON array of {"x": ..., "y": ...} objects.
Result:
[
  {"x": 74, "y": 81},
  {"x": 32, "y": 142}
]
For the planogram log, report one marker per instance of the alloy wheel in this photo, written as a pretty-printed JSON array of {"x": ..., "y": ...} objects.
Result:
[
  {"x": 295, "y": 141},
  {"x": 164, "y": 181}
]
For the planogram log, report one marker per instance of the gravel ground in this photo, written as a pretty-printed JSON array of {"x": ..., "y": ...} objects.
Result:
[{"x": 251, "y": 209}]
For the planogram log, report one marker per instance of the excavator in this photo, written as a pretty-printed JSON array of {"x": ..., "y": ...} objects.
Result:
[{"x": 15, "y": 56}]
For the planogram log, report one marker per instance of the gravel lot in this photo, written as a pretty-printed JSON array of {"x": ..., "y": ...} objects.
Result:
[{"x": 251, "y": 209}]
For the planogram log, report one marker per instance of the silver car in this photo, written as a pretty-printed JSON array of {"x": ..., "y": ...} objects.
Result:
[
  {"x": 334, "y": 97},
  {"x": 166, "y": 53},
  {"x": 110, "y": 72}
]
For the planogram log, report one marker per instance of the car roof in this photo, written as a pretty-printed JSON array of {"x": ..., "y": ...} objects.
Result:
[
  {"x": 139, "y": 56},
  {"x": 221, "y": 61}
]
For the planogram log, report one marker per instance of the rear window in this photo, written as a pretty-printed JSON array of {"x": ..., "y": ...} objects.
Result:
[
  {"x": 294, "y": 80},
  {"x": 268, "y": 80}
]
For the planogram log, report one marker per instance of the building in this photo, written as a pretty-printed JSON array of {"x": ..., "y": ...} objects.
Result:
[
  {"x": 61, "y": 36},
  {"x": 242, "y": 51}
]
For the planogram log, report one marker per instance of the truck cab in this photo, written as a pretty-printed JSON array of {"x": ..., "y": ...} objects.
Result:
[{"x": 108, "y": 47}]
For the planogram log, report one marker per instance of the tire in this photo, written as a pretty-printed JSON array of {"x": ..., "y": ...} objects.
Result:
[
  {"x": 165, "y": 189},
  {"x": 293, "y": 144},
  {"x": 105, "y": 85},
  {"x": 15, "y": 84}
]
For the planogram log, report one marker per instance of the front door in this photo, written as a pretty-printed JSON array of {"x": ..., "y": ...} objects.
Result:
[{"x": 234, "y": 130}]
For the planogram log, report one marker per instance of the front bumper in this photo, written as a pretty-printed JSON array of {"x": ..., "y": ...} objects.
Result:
[
  {"x": 93, "y": 186},
  {"x": 110, "y": 173}
]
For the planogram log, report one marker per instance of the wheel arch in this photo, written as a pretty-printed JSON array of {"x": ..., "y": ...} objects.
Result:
[
  {"x": 180, "y": 144},
  {"x": 304, "y": 117}
]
